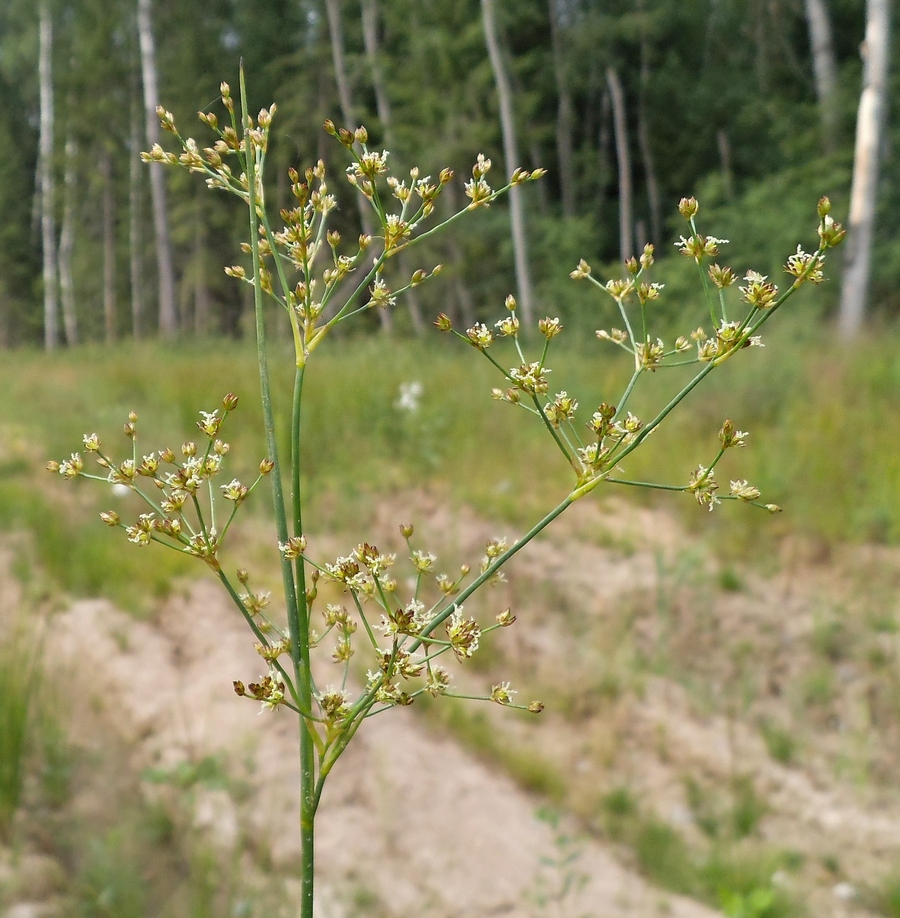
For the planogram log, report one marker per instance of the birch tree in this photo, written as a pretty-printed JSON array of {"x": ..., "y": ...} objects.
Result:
[
  {"x": 511, "y": 157},
  {"x": 168, "y": 316},
  {"x": 348, "y": 112},
  {"x": 67, "y": 246},
  {"x": 824, "y": 68},
  {"x": 46, "y": 183},
  {"x": 866, "y": 161},
  {"x": 383, "y": 107},
  {"x": 135, "y": 221},
  {"x": 109, "y": 247}
]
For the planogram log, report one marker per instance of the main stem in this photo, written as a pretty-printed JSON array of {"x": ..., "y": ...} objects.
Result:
[
  {"x": 298, "y": 633},
  {"x": 308, "y": 795}
]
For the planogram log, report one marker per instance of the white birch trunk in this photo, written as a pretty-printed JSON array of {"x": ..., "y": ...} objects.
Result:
[
  {"x": 373, "y": 55},
  {"x": 824, "y": 68},
  {"x": 46, "y": 184},
  {"x": 511, "y": 157},
  {"x": 66, "y": 248},
  {"x": 135, "y": 226},
  {"x": 109, "y": 249},
  {"x": 863, "y": 193},
  {"x": 623, "y": 157},
  {"x": 336, "y": 34},
  {"x": 382, "y": 104},
  {"x": 168, "y": 316}
]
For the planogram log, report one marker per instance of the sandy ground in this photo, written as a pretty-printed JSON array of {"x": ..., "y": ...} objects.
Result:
[
  {"x": 408, "y": 815},
  {"x": 414, "y": 824}
]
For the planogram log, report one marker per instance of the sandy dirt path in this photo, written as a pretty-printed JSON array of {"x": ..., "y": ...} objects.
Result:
[{"x": 409, "y": 816}]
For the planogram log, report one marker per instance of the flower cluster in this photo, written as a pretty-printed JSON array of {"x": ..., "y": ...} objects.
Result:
[
  {"x": 301, "y": 265},
  {"x": 404, "y": 637},
  {"x": 615, "y": 430},
  {"x": 182, "y": 504}
]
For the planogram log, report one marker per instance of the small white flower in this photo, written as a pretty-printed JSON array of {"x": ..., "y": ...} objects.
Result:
[{"x": 410, "y": 394}]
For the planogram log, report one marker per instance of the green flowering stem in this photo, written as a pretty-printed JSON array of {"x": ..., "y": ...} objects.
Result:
[
  {"x": 628, "y": 390},
  {"x": 492, "y": 569},
  {"x": 722, "y": 304},
  {"x": 620, "y": 303},
  {"x": 704, "y": 279},
  {"x": 300, "y": 648},
  {"x": 664, "y": 413},
  {"x": 307, "y": 777},
  {"x": 712, "y": 465},
  {"x": 258, "y": 633},
  {"x": 647, "y": 484},
  {"x": 365, "y": 621}
]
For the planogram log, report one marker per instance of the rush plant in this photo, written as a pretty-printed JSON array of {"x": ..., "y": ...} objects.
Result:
[{"x": 411, "y": 638}]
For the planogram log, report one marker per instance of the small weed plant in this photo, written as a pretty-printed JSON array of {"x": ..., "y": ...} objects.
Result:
[{"x": 410, "y": 632}]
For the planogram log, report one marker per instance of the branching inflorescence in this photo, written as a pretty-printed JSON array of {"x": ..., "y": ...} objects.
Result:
[
  {"x": 613, "y": 431},
  {"x": 406, "y": 635}
]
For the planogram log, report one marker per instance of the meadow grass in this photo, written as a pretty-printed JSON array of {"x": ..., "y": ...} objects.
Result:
[{"x": 822, "y": 421}]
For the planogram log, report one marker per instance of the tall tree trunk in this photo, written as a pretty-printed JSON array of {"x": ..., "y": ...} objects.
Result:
[
  {"x": 336, "y": 34},
  {"x": 863, "y": 197},
  {"x": 67, "y": 246},
  {"x": 563, "y": 112},
  {"x": 818, "y": 23},
  {"x": 168, "y": 315},
  {"x": 620, "y": 125},
  {"x": 373, "y": 55},
  {"x": 382, "y": 104},
  {"x": 45, "y": 170},
  {"x": 604, "y": 136},
  {"x": 109, "y": 248},
  {"x": 511, "y": 157},
  {"x": 135, "y": 224}
]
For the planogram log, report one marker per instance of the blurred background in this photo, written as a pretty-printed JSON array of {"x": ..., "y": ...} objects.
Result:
[{"x": 722, "y": 729}]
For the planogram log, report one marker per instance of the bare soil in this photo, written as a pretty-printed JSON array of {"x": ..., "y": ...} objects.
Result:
[{"x": 415, "y": 823}]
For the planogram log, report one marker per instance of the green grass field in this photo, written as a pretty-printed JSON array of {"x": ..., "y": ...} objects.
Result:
[{"x": 821, "y": 415}]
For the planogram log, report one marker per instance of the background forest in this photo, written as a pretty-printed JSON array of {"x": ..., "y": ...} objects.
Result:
[{"x": 630, "y": 105}]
